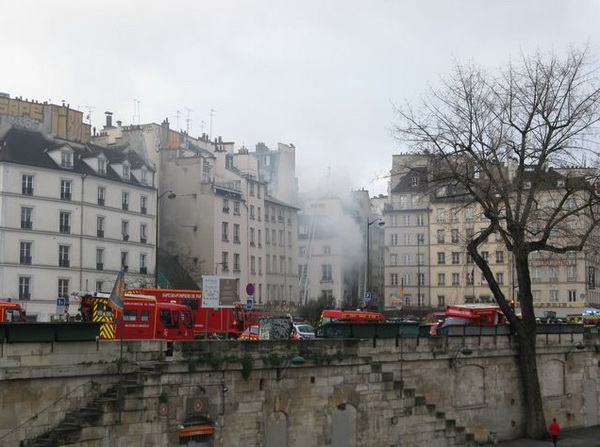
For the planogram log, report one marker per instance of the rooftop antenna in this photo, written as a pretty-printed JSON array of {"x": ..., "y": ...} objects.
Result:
[
  {"x": 188, "y": 121},
  {"x": 212, "y": 112},
  {"x": 136, "y": 111},
  {"x": 88, "y": 115}
]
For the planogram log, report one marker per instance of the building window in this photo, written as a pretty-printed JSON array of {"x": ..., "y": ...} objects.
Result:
[
  {"x": 536, "y": 274},
  {"x": 125, "y": 230},
  {"x": 236, "y": 262},
  {"x": 126, "y": 172},
  {"x": 225, "y": 260},
  {"x": 471, "y": 277},
  {"x": 143, "y": 204},
  {"x": 420, "y": 239},
  {"x": 468, "y": 214},
  {"x": 485, "y": 255},
  {"x": 102, "y": 166},
  {"x": 143, "y": 235},
  {"x": 455, "y": 279},
  {"x": 26, "y": 214},
  {"x": 393, "y": 259},
  {"x": 251, "y": 189},
  {"x": 65, "y": 222},
  {"x": 500, "y": 278},
  {"x": 281, "y": 238},
  {"x": 225, "y": 208},
  {"x": 224, "y": 231},
  {"x": 440, "y": 236},
  {"x": 252, "y": 240},
  {"x": 499, "y": 257},
  {"x": 553, "y": 271},
  {"x": 406, "y": 220},
  {"x": 143, "y": 263},
  {"x": 420, "y": 258},
  {"x": 420, "y": 220},
  {"x": 441, "y": 215},
  {"x": 99, "y": 259},
  {"x": 65, "y": 189},
  {"x": 571, "y": 273},
  {"x": 125, "y": 260},
  {"x": 236, "y": 233},
  {"x": 66, "y": 159},
  {"x": 441, "y": 279},
  {"x": 326, "y": 249},
  {"x": 99, "y": 285},
  {"x": 572, "y": 296},
  {"x": 407, "y": 259},
  {"x": 554, "y": 296},
  {"x": 441, "y": 299},
  {"x": 25, "y": 253},
  {"x": 454, "y": 236},
  {"x": 393, "y": 239},
  {"x": 100, "y": 226},
  {"x": 101, "y": 195},
  {"x": 125, "y": 200},
  {"x": 421, "y": 279},
  {"x": 441, "y": 257},
  {"x": 406, "y": 279},
  {"x": 24, "y": 288},
  {"x": 259, "y": 237},
  {"x": 63, "y": 288},
  {"x": 253, "y": 265},
  {"x": 326, "y": 271},
  {"x": 455, "y": 257},
  {"x": 27, "y": 185},
  {"x": 63, "y": 256},
  {"x": 394, "y": 279},
  {"x": 236, "y": 208}
]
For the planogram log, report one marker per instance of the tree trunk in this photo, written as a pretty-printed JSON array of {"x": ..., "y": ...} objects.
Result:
[{"x": 533, "y": 409}]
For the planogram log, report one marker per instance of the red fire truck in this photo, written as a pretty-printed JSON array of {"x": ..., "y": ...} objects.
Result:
[
  {"x": 474, "y": 314},
  {"x": 11, "y": 312},
  {"x": 350, "y": 316},
  {"x": 217, "y": 322},
  {"x": 143, "y": 317}
]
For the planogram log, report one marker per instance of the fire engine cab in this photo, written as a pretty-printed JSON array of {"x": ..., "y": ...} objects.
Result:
[
  {"x": 143, "y": 317},
  {"x": 11, "y": 312}
]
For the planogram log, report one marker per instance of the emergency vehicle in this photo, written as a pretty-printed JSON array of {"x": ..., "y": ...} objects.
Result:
[
  {"x": 591, "y": 318},
  {"x": 210, "y": 322},
  {"x": 350, "y": 316},
  {"x": 474, "y": 314},
  {"x": 143, "y": 317},
  {"x": 11, "y": 312}
]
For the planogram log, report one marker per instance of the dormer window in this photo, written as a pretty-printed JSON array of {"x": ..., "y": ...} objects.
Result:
[
  {"x": 102, "y": 166},
  {"x": 560, "y": 183},
  {"x": 126, "y": 172},
  {"x": 415, "y": 181},
  {"x": 66, "y": 159},
  {"x": 527, "y": 184},
  {"x": 144, "y": 177}
]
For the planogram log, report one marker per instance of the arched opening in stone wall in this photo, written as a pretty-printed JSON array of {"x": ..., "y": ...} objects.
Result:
[
  {"x": 196, "y": 431},
  {"x": 553, "y": 379},
  {"x": 471, "y": 392},
  {"x": 276, "y": 429},
  {"x": 343, "y": 426}
]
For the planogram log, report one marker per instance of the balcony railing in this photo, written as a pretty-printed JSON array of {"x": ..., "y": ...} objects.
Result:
[
  {"x": 101, "y": 201},
  {"x": 64, "y": 263},
  {"x": 100, "y": 233},
  {"x": 65, "y": 196},
  {"x": 27, "y": 191},
  {"x": 99, "y": 266},
  {"x": 144, "y": 270},
  {"x": 26, "y": 224},
  {"x": 65, "y": 229},
  {"x": 25, "y": 260}
]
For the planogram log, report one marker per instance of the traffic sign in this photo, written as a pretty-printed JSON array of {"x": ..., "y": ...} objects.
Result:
[
  {"x": 249, "y": 303},
  {"x": 367, "y": 297},
  {"x": 250, "y": 289}
]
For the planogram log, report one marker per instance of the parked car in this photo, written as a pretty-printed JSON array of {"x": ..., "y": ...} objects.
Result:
[
  {"x": 250, "y": 334},
  {"x": 304, "y": 330}
]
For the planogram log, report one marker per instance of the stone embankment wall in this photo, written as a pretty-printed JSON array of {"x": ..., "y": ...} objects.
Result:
[{"x": 409, "y": 392}]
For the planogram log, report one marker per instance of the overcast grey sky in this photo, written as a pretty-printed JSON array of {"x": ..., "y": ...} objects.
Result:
[{"x": 320, "y": 74}]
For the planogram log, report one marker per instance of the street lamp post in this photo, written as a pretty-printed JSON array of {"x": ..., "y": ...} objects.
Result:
[
  {"x": 367, "y": 288},
  {"x": 170, "y": 195}
]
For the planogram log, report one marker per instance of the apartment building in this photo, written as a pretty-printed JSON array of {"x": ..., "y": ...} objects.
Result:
[
  {"x": 71, "y": 216},
  {"x": 427, "y": 229}
]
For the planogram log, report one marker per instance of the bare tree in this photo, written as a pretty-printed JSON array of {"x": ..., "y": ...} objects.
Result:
[{"x": 520, "y": 146}]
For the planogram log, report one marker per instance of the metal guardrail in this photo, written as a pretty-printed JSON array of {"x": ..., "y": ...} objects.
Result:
[{"x": 48, "y": 332}]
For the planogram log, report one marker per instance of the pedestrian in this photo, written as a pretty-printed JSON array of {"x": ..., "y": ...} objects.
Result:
[{"x": 554, "y": 429}]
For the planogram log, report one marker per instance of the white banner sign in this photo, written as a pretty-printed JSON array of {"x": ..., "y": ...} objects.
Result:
[{"x": 210, "y": 291}]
